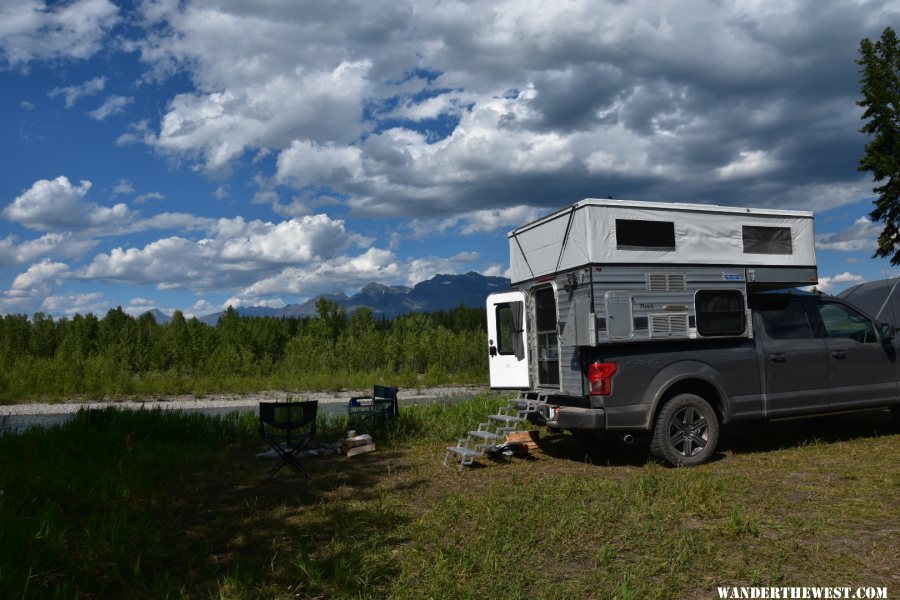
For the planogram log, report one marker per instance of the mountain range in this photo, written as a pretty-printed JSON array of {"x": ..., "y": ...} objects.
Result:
[{"x": 441, "y": 292}]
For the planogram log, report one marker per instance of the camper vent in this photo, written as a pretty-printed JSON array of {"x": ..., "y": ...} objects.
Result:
[
  {"x": 667, "y": 326},
  {"x": 665, "y": 282}
]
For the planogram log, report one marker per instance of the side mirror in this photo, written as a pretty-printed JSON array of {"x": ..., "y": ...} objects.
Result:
[{"x": 888, "y": 332}]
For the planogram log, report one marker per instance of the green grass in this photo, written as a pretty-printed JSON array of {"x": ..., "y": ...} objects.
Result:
[{"x": 155, "y": 505}]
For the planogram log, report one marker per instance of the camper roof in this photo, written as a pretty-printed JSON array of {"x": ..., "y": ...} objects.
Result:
[{"x": 632, "y": 232}]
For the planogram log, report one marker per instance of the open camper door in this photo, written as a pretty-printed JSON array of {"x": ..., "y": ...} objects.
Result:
[{"x": 508, "y": 341}]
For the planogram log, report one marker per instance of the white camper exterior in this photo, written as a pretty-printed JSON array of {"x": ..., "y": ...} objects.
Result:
[{"x": 616, "y": 271}]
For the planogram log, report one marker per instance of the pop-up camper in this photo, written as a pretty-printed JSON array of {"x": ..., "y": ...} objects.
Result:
[{"x": 625, "y": 272}]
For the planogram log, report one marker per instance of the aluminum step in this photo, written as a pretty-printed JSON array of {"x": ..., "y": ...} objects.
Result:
[
  {"x": 465, "y": 452},
  {"x": 484, "y": 435},
  {"x": 508, "y": 419}
]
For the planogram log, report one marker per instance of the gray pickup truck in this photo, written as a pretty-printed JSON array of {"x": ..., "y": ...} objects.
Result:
[{"x": 810, "y": 354}]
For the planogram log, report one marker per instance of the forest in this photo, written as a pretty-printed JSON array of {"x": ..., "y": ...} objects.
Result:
[{"x": 43, "y": 358}]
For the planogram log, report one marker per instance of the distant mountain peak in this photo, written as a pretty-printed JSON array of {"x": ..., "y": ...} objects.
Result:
[{"x": 441, "y": 292}]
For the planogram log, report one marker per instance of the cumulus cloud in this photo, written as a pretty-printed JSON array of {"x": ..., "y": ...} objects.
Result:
[
  {"x": 862, "y": 235},
  {"x": 50, "y": 245},
  {"x": 59, "y": 204},
  {"x": 40, "y": 276},
  {"x": 72, "y": 93},
  {"x": 71, "y": 304},
  {"x": 427, "y": 109},
  {"x": 238, "y": 253},
  {"x": 834, "y": 283},
  {"x": 31, "y": 30}
]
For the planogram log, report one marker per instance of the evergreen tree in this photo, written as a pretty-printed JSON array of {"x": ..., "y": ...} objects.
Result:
[{"x": 880, "y": 62}]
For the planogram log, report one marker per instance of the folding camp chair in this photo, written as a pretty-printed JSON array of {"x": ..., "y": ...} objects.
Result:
[
  {"x": 366, "y": 412},
  {"x": 288, "y": 427}
]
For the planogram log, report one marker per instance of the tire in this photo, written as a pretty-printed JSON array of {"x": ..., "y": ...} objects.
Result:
[{"x": 686, "y": 432}]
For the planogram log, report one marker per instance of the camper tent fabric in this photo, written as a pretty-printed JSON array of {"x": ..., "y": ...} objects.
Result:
[
  {"x": 632, "y": 232},
  {"x": 880, "y": 299}
]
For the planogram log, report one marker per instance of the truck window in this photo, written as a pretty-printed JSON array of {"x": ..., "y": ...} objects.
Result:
[
  {"x": 720, "y": 312},
  {"x": 844, "y": 322},
  {"x": 785, "y": 320},
  {"x": 766, "y": 240},
  {"x": 635, "y": 234}
]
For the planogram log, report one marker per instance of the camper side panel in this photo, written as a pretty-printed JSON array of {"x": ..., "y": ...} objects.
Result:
[{"x": 644, "y": 303}]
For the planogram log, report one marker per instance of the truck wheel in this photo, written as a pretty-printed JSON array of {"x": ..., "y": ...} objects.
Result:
[{"x": 686, "y": 431}]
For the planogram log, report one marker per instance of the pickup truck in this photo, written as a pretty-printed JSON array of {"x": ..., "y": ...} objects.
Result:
[{"x": 810, "y": 354}]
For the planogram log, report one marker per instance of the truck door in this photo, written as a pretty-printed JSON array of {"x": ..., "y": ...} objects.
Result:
[
  {"x": 508, "y": 341},
  {"x": 795, "y": 362},
  {"x": 863, "y": 369}
]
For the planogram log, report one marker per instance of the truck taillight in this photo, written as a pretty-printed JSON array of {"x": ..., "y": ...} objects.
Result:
[{"x": 599, "y": 376}]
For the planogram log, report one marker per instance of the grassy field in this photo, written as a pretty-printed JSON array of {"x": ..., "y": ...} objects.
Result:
[{"x": 155, "y": 505}]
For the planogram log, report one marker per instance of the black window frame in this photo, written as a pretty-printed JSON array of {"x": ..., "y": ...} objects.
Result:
[
  {"x": 507, "y": 306},
  {"x": 767, "y": 244},
  {"x": 734, "y": 315},
  {"x": 629, "y": 235}
]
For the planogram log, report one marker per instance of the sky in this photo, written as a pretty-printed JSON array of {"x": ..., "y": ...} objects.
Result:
[{"x": 194, "y": 154}]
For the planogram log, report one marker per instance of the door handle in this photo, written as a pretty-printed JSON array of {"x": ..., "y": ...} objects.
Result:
[
  {"x": 778, "y": 357},
  {"x": 839, "y": 354}
]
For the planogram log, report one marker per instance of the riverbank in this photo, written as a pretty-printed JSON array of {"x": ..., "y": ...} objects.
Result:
[{"x": 226, "y": 401}]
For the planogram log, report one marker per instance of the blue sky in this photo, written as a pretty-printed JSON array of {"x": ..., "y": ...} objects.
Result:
[{"x": 182, "y": 154}]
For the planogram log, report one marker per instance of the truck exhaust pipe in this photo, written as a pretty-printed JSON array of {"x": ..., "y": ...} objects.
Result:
[{"x": 627, "y": 439}]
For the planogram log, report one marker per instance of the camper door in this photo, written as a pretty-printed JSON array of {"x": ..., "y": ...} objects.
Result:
[{"x": 508, "y": 341}]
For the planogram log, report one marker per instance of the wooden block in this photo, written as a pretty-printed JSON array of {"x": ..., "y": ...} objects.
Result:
[
  {"x": 529, "y": 438},
  {"x": 360, "y": 450}
]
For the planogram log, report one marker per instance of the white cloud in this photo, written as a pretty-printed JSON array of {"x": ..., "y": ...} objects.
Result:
[
  {"x": 144, "y": 198},
  {"x": 862, "y": 235},
  {"x": 749, "y": 163},
  {"x": 200, "y": 308},
  {"x": 325, "y": 276},
  {"x": 73, "y": 93},
  {"x": 58, "y": 204},
  {"x": 320, "y": 105},
  {"x": 40, "y": 276},
  {"x": 496, "y": 270},
  {"x": 237, "y": 301},
  {"x": 50, "y": 245},
  {"x": 71, "y": 304},
  {"x": 298, "y": 240},
  {"x": 124, "y": 186},
  {"x": 238, "y": 253},
  {"x": 113, "y": 105},
  {"x": 423, "y": 108},
  {"x": 836, "y": 282},
  {"x": 306, "y": 163},
  {"x": 30, "y": 30}
]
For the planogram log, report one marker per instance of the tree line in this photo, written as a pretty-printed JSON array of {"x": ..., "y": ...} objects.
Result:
[{"x": 118, "y": 354}]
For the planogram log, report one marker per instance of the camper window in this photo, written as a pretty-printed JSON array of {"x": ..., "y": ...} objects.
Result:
[
  {"x": 506, "y": 341},
  {"x": 634, "y": 234},
  {"x": 766, "y": 240},
  {"x": 720, "y": 312}
]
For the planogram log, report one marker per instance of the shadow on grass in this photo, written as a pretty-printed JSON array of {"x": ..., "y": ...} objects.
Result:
[
  {"x": 327, "y": 535},
  {"x": 150, "y": 504},
  {"x": 737, "y": 438},
  {"x": 752, "y": 437}
]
